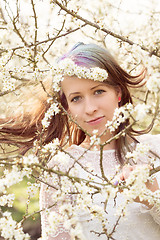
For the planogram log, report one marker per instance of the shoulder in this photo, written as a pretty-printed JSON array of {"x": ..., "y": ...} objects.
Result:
[
  {"x": 153, "y": 141},
  {"x": 149, "y": 138}
]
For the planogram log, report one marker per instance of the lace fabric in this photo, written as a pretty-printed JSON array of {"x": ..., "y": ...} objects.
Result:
[
  {"x": 90, "y": 162},
  {"x": 48, "y": 204}
]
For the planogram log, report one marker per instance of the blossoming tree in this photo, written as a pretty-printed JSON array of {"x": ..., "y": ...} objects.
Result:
[{"x": 31, "y": 39}]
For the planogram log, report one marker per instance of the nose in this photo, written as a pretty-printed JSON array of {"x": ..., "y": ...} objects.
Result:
[{"x": 90, "y": 106}]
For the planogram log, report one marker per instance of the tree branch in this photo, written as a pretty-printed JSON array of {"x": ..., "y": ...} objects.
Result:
[{"x": 92, "y": 24}]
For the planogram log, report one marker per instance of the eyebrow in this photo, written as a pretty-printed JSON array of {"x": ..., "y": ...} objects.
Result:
[
  {"x": 74, "y": 93},
  {"x": 101, "y": 84}
]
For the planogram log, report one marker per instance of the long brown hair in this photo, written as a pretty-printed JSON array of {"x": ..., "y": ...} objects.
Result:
[{"x": 23, "y": 129}]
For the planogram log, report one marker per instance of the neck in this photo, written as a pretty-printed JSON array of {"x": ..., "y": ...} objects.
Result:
[{"x": 87, "y": 143}]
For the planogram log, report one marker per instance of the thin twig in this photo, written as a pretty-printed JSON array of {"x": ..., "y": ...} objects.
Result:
[{"x": 95, "y": 25}]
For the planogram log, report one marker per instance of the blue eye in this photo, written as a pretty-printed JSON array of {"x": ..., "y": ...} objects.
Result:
[
  {"x": 100, "y": 91},
  {"x": 75, "y": 99}
]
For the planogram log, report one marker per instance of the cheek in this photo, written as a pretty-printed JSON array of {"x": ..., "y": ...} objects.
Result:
[
  {"x": 115, "y": 101},
  {"x": 76, "y": 113},
  {"x": 72, "y": 111}
]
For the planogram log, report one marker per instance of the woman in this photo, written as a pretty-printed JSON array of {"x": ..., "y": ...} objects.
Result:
[
  {"x": 91, "y": 104},
  {"x": 92, "y": 88}
]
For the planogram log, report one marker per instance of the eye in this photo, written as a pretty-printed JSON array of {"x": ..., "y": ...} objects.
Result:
[
  {"x": 75, "y": 99},
  {"x": 98, "y": 92}
]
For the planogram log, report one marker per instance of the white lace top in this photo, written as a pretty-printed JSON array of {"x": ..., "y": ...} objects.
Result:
[{"x": 139, "y": 224}]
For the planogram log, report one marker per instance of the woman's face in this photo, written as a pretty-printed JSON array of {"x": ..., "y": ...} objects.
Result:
[{"x": 91, "y": 103}]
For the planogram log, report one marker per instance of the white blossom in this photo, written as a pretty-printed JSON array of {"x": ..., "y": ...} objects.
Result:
[
  {"x": 139, "y": 153},
  {"x": 94, "y": 140},
  {"x": 153, "y": 83},
  {"x": 120, "y": 116},
  {"x": 10, "y": 229},
  {"x": 12, "y": 177},
  {"x": 32, "y": 189},
  {"x": 7, "y": 200},
  {"x": 52, "y": 146},
  {"x": 53, "y": 110},
  {"x": 30, "y": 159},
  {"x": 141, "y": 111},
  {"x": 61, "y": 158},
  {"x": 67, "y": 67}
]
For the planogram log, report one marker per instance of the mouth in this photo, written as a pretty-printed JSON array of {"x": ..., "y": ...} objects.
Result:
[{"x": 95, "y": 121}]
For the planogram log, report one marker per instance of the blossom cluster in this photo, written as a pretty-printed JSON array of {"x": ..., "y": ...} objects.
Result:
[
  {"x": 61, "y": 159},
  {"x": 138, "y": 176},
  {"x": 9, "y": 84},
  {"x": 141, "y": 111},
  {"x": 32, "y": 189},
  {"x": 30, "y": 159},
  {"x": 153, "y": 83},
  {"x": 70, "y": 222},
  {"x": 7, "y": 200},
  {"x": 10, "y": 229},
  {"x": 67, "y": 216},
  {"x": 53, "y": 110},
  {"x": 51, "y": 147},
  {"x": 120, "y": 116},
  {"x": 68, "y": 213},
  {"x": 135, "y": 187},
  {"x": 13, "y": 176},
  {"x": 94, "y": 139},
  {"x": 67, "y": 67},
  {"x": 139, "y": 154}
]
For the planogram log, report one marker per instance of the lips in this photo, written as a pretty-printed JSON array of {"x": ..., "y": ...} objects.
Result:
[{"x": 95, "y": 121}]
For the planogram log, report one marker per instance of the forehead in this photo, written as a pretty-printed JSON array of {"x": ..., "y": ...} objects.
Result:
[{"x": 71, "y": 84}]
